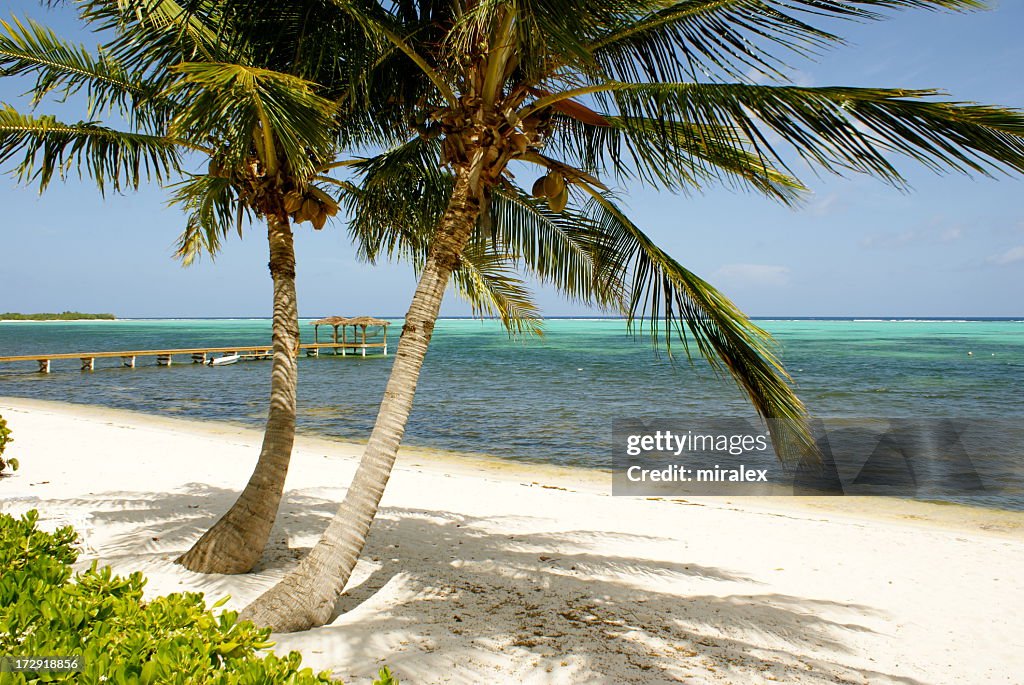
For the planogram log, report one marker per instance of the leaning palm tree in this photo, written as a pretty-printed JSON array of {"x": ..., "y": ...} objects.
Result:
[
  {"x": 265, "y": 137},
  {"x": 587, "y": 92}
]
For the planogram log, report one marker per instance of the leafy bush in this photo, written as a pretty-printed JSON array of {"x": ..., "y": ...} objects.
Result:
[
  {"x": 5, "y": 438},
  {"x": 122, "y": 639}
]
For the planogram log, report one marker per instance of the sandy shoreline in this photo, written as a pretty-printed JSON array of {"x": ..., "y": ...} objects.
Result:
[{"x": 482, "y": 570}]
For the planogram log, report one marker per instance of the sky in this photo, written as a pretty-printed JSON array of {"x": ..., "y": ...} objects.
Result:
[{"x": 953, "y": 246}]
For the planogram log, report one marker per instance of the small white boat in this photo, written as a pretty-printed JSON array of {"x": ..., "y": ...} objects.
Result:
[{"x": 225, "y": 360}]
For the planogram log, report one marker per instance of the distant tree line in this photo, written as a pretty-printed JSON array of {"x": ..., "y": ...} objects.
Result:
[{"x": 63, "y": 316}]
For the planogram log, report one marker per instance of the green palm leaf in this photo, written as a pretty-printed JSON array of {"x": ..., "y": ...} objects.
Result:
[
  {"x": 154, "y": 34},
  {"x": 212, "y": 209},
  {"x": 487, "y": 280},
  {"x": 61, "y": 68},
  {"x": 840, "y": 129},
  {"x": 556, "y": 248},
  {"x": 50, "y": 147},
  {"x": 671, "y": 154},
  {"x": 397, "y": 199},
  {"x": 701, "y": 39},
  {"x": 242, "y": 106},
  {"x": 675, "y": 303}
]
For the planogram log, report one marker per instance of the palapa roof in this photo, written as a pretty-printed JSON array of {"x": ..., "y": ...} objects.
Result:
[
  {"x": 350, "y": 321},
  {"x": 329, "y": 321},
  {"x": 366, "y": 321}
]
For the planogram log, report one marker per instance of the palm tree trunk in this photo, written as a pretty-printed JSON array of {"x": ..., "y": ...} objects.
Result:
[
  {"x": 305, "y": 598},
  {"x": 235, "y": 543}
]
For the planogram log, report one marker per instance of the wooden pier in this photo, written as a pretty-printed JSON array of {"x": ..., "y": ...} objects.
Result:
[
  {"x": 374, "y": 341},
  {"x": 199, "y": 355}
]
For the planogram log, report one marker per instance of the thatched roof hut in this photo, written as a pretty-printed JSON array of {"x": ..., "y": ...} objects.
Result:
[{"x": 343, "y": 322}]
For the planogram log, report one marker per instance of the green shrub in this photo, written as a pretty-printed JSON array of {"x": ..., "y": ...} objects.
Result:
[
  {"x": 385, "y": 677},
  {"x": 5, "y": 439},
  {"x": 121, "y": 639}
]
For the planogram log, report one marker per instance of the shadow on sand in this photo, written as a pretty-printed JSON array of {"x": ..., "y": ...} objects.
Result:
[{"x": 441, "y": 597}]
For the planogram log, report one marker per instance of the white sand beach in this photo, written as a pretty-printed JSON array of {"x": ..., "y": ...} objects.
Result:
[{"x": 486, "y": 571}]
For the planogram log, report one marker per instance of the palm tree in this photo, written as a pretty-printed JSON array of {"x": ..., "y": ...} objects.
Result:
[
  {"x": 658, "y": 91},
  {"x": 221, "y": 111},
  {"x": 266, "y": 137}
]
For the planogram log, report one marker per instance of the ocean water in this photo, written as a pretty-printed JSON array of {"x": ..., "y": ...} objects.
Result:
[{"x": 549, "y": 399}]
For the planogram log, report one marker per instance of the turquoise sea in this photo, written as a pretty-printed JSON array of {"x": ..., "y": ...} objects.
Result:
[{"x": 550, "y": 399}]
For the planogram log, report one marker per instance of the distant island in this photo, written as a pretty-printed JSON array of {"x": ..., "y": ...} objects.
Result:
[{"x": 63, "y": 316}]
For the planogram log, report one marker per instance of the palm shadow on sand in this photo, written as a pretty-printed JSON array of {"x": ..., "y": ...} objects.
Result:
[{"x": 438, "y": 590}]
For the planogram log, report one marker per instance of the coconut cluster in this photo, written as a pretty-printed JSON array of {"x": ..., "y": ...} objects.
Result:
[
  {"x": 309, "y": 204},
  {"x": 553, "y": 187},
  {"x": 314, "y": 206}
]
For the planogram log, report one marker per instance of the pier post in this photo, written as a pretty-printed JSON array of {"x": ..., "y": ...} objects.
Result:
[
  {"x": 128, "y": 362},
  {"x": 44, "y": 366},
  {"x": 385, "y": 349},
  {"x": 163, "y": 359},
  {"x": 364, "y": 350},
  {"x": 199, "y": 358},
  {"x": 88, "y": 363}
]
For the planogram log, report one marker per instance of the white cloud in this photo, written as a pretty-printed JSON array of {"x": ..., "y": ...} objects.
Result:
[
  {"x": 951, "y": 234},
  {"x": 1011, "y": 256},
  {"x": 752, "y": 275}
]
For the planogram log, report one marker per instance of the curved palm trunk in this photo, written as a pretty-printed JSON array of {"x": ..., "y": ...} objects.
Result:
[
  {"x": 235, "y": 543},
  {"x": 305, "y": 598}
]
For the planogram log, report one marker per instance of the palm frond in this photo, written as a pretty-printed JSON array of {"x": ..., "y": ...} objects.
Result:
[
  {"x": 49, "y": 147},
  {"x": 675, "y": 303},
  {"x": 714, "y": 39},
  {"x": 395, "y": 207},
  {"x": 243, "y": 106},
  {"x": 540, "y": 36},
  {"x": 398, "y": 200},
  {"x": 62, "y": 69},
  {"x": 400, "y": 195},
  {"x": 379, "y": 25},
  {"x": 487, "y": 280},
  {"x": 557, "y": 248},
  {"x": 212, "y": 209},
  {"x": 671, "y": 154},
  {"x": 840, "y": 129},
  {"x": 154, "y": 34}
]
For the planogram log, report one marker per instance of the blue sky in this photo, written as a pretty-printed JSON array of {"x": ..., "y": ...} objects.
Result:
[{"x": 954, "y": 246}]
